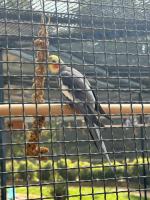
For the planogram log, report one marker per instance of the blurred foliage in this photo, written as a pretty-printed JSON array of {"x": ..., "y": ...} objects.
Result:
[
  {"x": 62, "y": 142},
  {"x": 136, "y": 170},
  {"x": 11, "y": 166},
  {"x": 59, "y": 189},
  {"x": 85, "y": 171},
  {"x": 19, "y": 137},
  {"x": 46, "y": 172},
  {"x": 69, "y": 174},
  {"x": 26, "y": 170}
]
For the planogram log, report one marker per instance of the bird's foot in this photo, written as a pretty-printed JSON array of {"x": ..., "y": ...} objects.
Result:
[{"x": 69, "y": 105}]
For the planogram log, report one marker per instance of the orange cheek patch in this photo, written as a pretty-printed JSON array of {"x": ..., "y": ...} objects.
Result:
[{"x": 56, "y": 66}]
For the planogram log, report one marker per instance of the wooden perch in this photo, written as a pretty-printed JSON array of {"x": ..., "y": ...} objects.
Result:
[{"x": 55, "y": 109}]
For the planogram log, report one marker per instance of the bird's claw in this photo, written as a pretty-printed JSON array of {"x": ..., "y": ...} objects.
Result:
[{"x": 69, "y": 106}]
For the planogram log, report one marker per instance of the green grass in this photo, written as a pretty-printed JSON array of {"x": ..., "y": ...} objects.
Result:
[{"x": 84, "y": 190}]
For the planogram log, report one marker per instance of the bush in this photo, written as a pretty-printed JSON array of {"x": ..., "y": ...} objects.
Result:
[
  {"x": 61, "y": 164},
  {"x": 97, "y": 172},
  {"x": 137, "y": 169},
  {"x": 72, "y": 173},
  {"x": 9, "y": 169},
  {"x": 23, "y": 175},
  {"x": 85, "y": 172},
  {"x": 48, "y": 173},
  {"x": 119, "y": 170},
  {"x": 109, "y": 173},
  {"x": 60, "y": 189}
]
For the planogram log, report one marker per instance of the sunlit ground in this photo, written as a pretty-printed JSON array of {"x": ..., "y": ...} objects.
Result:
[{"x": 34, "y": 192}]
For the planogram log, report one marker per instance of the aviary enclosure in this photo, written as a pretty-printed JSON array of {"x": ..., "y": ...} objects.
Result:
[{"x": 46, "y": 150}]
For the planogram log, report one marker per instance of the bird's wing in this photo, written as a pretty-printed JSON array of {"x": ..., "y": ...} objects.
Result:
[
  {"x": 76, "y": 73},
  {"x": 98, "y": 108},
  {"x": 84, "y": 111},
  {"x": 76, "y": 90}
]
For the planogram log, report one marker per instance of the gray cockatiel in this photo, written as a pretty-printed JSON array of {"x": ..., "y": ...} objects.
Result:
[{"x": 78, "y": 91}]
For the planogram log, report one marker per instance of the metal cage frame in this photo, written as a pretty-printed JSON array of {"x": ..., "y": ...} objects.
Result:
[{"x": 108, "y": 42}]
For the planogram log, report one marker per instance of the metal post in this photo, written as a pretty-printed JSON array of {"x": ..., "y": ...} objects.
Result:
[
  {"x": 143, "y": 154},
  {"x": 2, "y": 134}
]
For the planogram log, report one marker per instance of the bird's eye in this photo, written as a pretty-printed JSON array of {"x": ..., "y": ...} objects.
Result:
[{"x": 53, "y": 61}]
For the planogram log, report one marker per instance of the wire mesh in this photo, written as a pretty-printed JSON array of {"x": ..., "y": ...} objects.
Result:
[{"x": 106, "y": 41}]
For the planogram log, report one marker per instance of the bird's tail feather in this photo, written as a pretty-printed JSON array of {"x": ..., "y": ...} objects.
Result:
[
  {"x": 96, "y": 135},
  {"x": 105, "y": 151}
]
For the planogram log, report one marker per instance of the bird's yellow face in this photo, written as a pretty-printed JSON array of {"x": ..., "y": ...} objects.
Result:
[{"x": 53, "y": 64}]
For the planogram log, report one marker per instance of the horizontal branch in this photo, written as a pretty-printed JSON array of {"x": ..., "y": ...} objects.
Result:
[{"x": 57, "y": 109}]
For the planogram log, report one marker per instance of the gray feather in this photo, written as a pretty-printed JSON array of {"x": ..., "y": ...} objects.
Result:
[
  {"x": 79, "y": 90},
  {"x": 91, "y": 116}
]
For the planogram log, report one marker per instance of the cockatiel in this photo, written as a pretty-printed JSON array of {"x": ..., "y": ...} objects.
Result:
[{"x": 78, "y": 91}]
